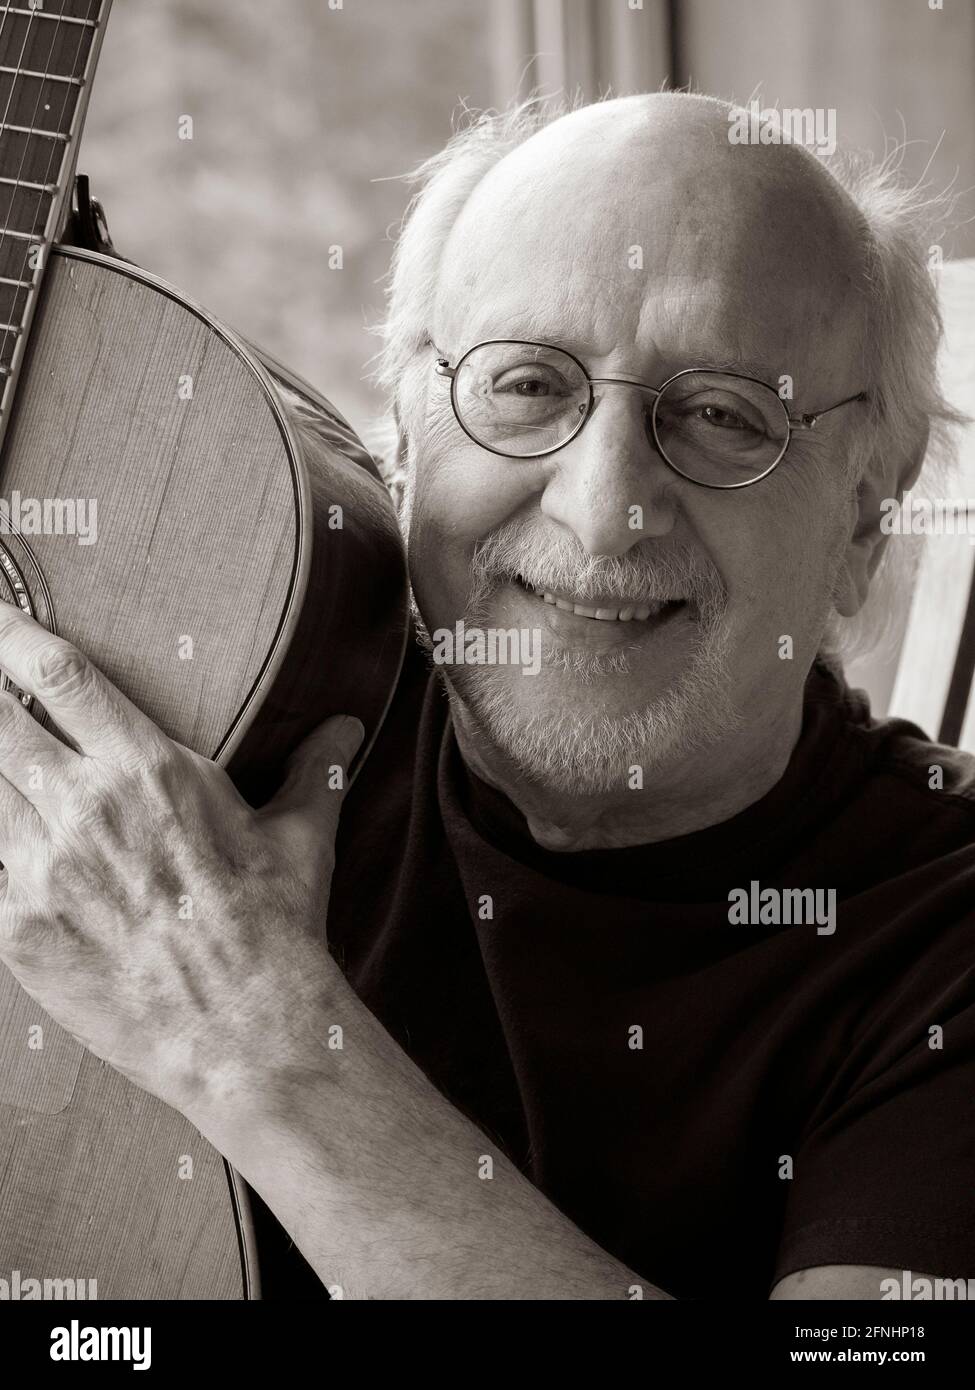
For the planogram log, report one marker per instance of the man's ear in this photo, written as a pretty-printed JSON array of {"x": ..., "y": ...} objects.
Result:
[{"x": 883, "y": 480}]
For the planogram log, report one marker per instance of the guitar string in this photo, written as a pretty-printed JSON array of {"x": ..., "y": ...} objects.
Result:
[
  {"x": 37, "y": 233},
  {"x": 27, "y": 139},
  {"x": 3, "y": 24},
  {"x": 34, "y": 232},
  {"x": 10, "y": 97}
]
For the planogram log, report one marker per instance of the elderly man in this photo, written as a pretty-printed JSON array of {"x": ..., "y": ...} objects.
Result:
[{"x": 655, "y": 950}]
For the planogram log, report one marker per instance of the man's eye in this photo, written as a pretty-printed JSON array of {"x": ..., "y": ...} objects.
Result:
[
  {"x": 531, "y": 384},
  {"x": 725, "y": 419}
]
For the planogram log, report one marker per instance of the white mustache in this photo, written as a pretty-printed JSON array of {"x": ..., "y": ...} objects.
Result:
[{"x": 671, "y": 573}]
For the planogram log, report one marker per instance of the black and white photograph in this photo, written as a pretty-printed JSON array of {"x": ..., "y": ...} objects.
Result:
[{"x": 487, "y": 728}]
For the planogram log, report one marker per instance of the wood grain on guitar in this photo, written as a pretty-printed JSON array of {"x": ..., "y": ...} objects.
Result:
[{"x": 244, "y": 579}]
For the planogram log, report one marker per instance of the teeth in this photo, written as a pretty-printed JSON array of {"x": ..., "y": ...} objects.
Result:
[
  {"x": 610, "y": 615},
  {"x": 625, "y": 613}
]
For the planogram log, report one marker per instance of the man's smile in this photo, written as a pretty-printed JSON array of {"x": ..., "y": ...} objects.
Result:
[{"x": 568, "y": 615}]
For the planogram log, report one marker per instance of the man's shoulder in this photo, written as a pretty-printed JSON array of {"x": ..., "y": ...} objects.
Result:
[
  {"x": 939, "y": 777},
  {"x": 903, "y": 803},
  {"x": 913, "y": 812}
]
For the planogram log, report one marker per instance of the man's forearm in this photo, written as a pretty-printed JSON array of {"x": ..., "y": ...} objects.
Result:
[{"x": 388, "y": 1190}]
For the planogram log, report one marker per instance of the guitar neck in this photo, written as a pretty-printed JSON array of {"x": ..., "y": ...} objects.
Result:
[{"x": 48, "y": 52}]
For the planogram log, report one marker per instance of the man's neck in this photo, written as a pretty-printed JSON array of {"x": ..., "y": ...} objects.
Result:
[{"x": 704, "y": 788}]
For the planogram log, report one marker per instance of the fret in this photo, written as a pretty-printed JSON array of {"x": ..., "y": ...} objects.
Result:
[
  {"x": 28, "y": 101},
  {"x": 41, "y": 47},
  {"x": 24, "y": 183},
  {"x": 74, "y": 12},
  {"x": 23, "y": 284},
  {"x": 13, "y": 328},
  {"x": 33, "y": 131},
  {"x": 44, "y": 76},
  {"x": 29, "y": 156}
]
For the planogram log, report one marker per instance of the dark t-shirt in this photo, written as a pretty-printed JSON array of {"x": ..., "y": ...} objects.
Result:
[{"x": 715, "y": 1104}]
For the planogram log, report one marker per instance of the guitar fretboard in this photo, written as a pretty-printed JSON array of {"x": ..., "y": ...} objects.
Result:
[{"x": 47, "y": 52}]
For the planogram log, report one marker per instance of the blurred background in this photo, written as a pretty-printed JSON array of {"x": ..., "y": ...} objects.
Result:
[
  {"x": 306, "y": 111},
  {"x": 278, "y": 214}
]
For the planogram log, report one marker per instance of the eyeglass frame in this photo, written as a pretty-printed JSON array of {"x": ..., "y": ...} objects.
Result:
[{"x": 806, "y": 421}]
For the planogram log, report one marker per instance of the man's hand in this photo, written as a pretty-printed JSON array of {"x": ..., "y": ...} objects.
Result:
[
  {"x": 171, "y": 928},
  {"x": 179, "y": 935}
]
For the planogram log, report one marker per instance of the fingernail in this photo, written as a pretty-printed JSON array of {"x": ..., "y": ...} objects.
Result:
[{"x": 349, "y": 736}]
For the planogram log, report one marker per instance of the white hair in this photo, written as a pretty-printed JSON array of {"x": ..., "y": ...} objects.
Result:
[{"x": 899, "y": 223}]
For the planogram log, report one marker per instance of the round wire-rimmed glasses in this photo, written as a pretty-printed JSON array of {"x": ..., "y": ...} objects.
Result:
[{"x": 526, "y": 400}]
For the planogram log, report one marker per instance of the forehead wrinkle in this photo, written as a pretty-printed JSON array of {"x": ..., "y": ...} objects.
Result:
[{"x": 558, "y": 312}]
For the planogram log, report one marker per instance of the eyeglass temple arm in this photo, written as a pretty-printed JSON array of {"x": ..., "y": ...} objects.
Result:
[
  {"x": 807, "y": 422},
  {"x": 443, "y": 368}
]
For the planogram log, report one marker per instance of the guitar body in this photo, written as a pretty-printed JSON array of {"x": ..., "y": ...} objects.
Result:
[{"x": 241, "y": 577}]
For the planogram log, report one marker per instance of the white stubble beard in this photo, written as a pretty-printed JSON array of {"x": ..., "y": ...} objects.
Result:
[{"x": 565, "y": 750}]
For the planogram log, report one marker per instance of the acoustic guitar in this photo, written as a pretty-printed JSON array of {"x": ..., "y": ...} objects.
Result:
[{"x": 212, "y": 533}]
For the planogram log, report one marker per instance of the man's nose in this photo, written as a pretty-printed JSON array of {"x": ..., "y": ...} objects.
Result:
[{"x": 609, "y": 485}]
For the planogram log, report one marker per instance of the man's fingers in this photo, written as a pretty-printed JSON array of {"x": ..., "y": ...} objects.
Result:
[
  {"x": 22, "y": 831},
  {"x": 31, "y": 758},
  {"x": 78, "y": 697},
  {"x": 308, "y": 804}
]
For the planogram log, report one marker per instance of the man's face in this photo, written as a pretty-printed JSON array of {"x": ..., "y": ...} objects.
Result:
[{"x": 637, "y": 237}]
